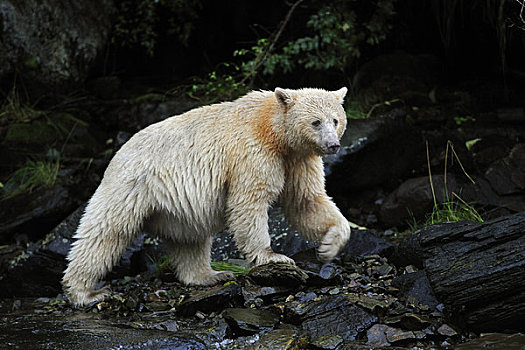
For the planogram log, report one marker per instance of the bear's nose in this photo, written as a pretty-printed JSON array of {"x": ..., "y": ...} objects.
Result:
[{"x": 333, "y": 147}]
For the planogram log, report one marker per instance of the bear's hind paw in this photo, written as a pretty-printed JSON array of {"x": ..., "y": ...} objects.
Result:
[{"x": 85, "y": 297}]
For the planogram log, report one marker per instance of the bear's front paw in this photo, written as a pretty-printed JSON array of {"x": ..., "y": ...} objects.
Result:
[
  {"x": 269, "y": 256},
  {"x": 333, "y": 241}
]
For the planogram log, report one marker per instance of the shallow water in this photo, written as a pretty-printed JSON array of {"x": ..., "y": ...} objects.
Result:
[{"x": 82, "y": 331}]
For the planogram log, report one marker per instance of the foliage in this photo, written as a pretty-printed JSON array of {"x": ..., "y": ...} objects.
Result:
[
  {"x": 338, "y": 31},
  {"x": 13, "y": 110},
  {"x": 136, "y": 22},
  {"x": 224, "y": 266},
  {"x": 162, "y": 262},
  {"x": 224, "y": 83},
  {"x": 453, "y": 208},
  {"x": 32, "y": 175}
]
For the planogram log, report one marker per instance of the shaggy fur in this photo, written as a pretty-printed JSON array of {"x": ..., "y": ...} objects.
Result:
[{"x": 189, "y": 176}]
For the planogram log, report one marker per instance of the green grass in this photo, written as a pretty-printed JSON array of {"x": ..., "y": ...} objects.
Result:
[
  {"x": 224, "y": 266},
  {"x": 454, "y": 208},
  {"x": 32, "y": 175},
  {"x": 452, "y": 211}
]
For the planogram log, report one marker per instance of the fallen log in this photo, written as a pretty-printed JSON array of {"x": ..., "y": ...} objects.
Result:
[{"x": 477, "y": 270}]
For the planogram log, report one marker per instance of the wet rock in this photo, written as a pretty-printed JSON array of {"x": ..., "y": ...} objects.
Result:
[
  {"x": 52, "y": 43},
  {"x": 277, "y": 274},
  {"x": 410, "y": 321},
  {"x": 331, "y": 315},
  {"x": 446, "y": 330},
  {"x": 416, "y": 285},
  {"x": 249, "y": 321},
  {"x": 375, "y": 303},
  {"x": 279, "y": 339},
  {"x": 256, "y": 295},
  {"x": 376, "y": 335},
  {"x": 285, "y": 240},
  {"x": 318, "y": 273},
  {"x": 394, "y": 335},
  {"x": 496, "y": 341},
  {"x": 327, "y": 342},
  {"x": 38, "y": 270},
  {"x": 380, "y": 335},
  {"x": 211, "y": 300},
  {"x": 363, "y": 243}
]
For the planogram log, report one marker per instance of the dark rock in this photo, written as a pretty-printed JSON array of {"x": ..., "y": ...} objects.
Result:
[
  {"x": 35, "y": 214},
  {"x": 376, "y": 335},
  {"x": 409, "y": 321},
  {"x": 416, "y": 285},
  {"x": 318, "y": 273},
  {"x": 374, "y": 152},
  {"x": 394, "y": 335},
  {"x": 516, "y": 114},
  {"x": 496, "y": 341},
  {"x": 253, "y": 292},
  {"x": 363, "y": 243},
  {"x": 332, "y": 315},
  {"x": 285, "y": 240},
  {"x": 278, "y": 339},
  {"x": 475, "y": 269},
  {"x": 211, "y": 300},
  {"x": 327, "y": 342},
  {"x": 277, "y": 274},
  {"x": 413, "y": 199},
  {"x": 52, "y": 43},
  {"x": 446, "y": 330},
  {"x": 249, "y": 321},
  {"x": 38, "y": 270},
  {"x": 505, "y": 178}
]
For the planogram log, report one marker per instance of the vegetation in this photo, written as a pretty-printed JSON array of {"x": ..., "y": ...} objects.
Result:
[
  {"x": 453, "y": 208},
  {"x": 32, "y": 175},
  {"x": 224, "y": 266}
]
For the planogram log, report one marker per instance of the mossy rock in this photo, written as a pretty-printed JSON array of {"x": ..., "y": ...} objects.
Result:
[{"x": 37, "y": 133}]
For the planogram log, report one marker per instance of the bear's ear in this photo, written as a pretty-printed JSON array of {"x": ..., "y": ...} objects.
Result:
[
  {"x": 283, "y": 97},
  {"x": 340, "y": 94}
]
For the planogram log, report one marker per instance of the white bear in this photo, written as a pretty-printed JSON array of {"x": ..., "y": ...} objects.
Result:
[{"x": 190, "y": 176}]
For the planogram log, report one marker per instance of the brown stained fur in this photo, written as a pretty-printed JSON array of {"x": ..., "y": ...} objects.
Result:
[{"x": 264, "y": 122}]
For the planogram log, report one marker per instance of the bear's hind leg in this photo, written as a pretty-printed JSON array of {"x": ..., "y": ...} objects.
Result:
[
  {"x": 105, "y": 231},
  {"x": 191, "y": 262}
]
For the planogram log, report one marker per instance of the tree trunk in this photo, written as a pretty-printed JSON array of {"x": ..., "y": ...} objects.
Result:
[{"x": 477, "y": 270}]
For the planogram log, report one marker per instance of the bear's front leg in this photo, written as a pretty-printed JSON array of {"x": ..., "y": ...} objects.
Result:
[
  {"x": 310, "y": 210},
  {"x": 248, "y": 222}
]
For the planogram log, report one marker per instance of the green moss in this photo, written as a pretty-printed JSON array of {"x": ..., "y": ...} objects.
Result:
[{"x": 37, "y": 133}]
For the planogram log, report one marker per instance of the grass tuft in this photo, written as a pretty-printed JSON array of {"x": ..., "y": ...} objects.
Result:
[{"x": 32, "y": 175}]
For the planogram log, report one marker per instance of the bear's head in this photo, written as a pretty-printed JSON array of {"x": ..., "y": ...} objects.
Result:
[{"x": 314, "y": 119}]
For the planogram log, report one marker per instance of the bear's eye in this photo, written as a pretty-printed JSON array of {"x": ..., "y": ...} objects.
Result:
[
  {"x": 335, "y": 122},
  {"x": 316, "y": 123}
]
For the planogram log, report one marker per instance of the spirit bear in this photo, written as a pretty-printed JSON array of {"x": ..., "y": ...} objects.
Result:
[{"x": 189, "y": 176}]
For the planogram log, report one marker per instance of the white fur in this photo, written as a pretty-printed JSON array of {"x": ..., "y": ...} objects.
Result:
[{"x": 191, "y": 175}]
